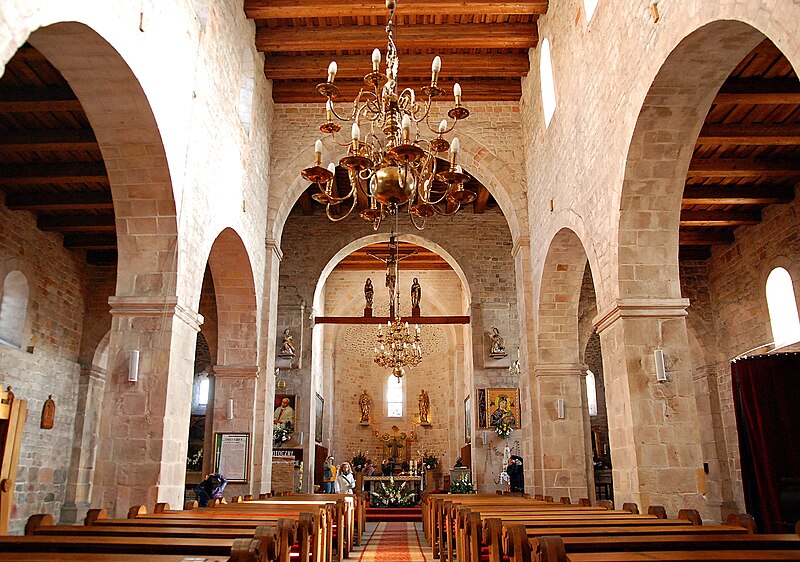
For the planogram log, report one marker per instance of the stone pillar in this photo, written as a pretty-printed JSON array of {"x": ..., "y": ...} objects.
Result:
[
  {"x": 265, "y": 385},
  {"x": 564, "y": 459},
  {"x": 143, "y": 436},
  {"x": 653, "y": 429},
  {"x": 78, "y": 495},
  {"x": 237, "y": 383}
]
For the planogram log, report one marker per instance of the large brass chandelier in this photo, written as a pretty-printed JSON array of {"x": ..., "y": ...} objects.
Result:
[
  {"x": 392, "y": 164},
  {"x": 401, "y": 346}
]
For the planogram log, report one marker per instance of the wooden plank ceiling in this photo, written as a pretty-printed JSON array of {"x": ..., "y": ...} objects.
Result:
[
  {"x": 423, "y": 260},
  {"x": 483, "y": 45},
  {"x": 747, "y": 155},
  {"x": 50, "y": 162}
]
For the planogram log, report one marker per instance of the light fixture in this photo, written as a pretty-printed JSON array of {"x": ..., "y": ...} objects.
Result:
[
  {"x": 661, "y": 370},
  {"x": 389, "y": 162},
  {"x": 230, "y": 409},
  {"x": 400, "y": 347},
  {"x": 561, "y": 408},
  {"x": 133, "y": 366}
]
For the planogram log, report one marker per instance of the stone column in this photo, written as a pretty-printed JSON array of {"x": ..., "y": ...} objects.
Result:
[
  {"x": 653, "y": 429},
  {"x": 78, "y": 495},
  {"x": 237, "y": 383},
  {"x": 564, "y": 456},
  {"x": 143, "y": 434}
]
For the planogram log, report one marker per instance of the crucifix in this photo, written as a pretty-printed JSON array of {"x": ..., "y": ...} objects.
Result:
[{"x": 392, "y": 262}]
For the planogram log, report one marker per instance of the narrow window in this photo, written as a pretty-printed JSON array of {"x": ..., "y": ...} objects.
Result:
[
  {"x": 591, "y": 392},
  {"x": 13, "y": 308},
  {"x": 202, "y": 392},
  {"x": 590, "y": 6},
  {"x": 548, "y": 83},
  {"x": 782, "y": 308},
  {"x": 394, "y": 397}
]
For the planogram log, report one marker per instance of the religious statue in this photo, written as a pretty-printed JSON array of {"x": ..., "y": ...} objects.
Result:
[
  {"x": 48, "y": 413},
  {"x": 498, "y": 348},
  {"x": 365, "y": 403},
  {"x": 368, "y": 292},
  {"x": 424, "y": 408},
  {"x": 287, "y": 347},
  {"x": 416, "y": 294}
]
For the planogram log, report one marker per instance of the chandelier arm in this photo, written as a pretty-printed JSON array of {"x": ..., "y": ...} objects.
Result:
[
  {"x": 347, "y": 214},
  {"x": 336, "y": 141},
  {"x": 413, "y": 222},
  {"x": 445, "y": 213},
  {"x": 435, "y": 129}
]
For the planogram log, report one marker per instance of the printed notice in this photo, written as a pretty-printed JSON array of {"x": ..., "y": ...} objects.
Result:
[{"x": 232, "y": 455}]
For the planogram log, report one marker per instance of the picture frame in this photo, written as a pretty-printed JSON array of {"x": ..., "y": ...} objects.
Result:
[
  {"x": 319, "y": 410},
  {"x": 481, "y": 404},
  {"x": 467, "y": 420},
  {"x": 496, "y": 405},
  {"x": 232, "y": 456},
  {"x": 285, "y": 416}
]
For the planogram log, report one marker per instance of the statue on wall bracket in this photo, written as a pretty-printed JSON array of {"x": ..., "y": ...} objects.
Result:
[{"x": 365, "y": 403}]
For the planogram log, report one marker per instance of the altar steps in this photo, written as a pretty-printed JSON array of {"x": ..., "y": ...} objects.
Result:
[{"x": 408, "y": 514}]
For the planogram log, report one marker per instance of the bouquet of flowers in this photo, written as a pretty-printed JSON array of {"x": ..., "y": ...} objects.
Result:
[
  {"x": 393, "y": 496},
  {"x": 463, "y": 486},
  {"x": 194, "y": 462},
  {"x": 359, "y": 460},
  {"x": 430, "y": 459},
  {"x": 503, "y": 430},
  {"x": 280, "y": 435}
]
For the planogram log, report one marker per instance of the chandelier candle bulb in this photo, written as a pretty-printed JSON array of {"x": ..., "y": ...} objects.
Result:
[
  {"x": 376, "y": 60},
  {"x": 356, "y": 132},
  {"x": 406, "y": 127},
  {"x": 318, "y": 152},
  {"x": 332, "y": 68},
  {"x": 442, "y": 126},
  {"x": 457, "y": 93},
  {"x": 329, "y": 110},
  {"x": 436, "y": 66}
]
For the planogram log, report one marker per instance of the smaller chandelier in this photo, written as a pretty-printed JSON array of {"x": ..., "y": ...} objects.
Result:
[
  {"x": 390, "y": 163},
  {"x": 399, "y": 348}
]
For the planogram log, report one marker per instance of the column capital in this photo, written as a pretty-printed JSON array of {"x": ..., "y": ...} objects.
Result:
[
  {"x": 154, "y": 306},
  {"x": 273, "y": 246},
  {"x": 236, "y": 371},
  {"x": 640, "y": 308},
  {"x": 559, "y": 369},
  {"x": 522, "y": 242}
]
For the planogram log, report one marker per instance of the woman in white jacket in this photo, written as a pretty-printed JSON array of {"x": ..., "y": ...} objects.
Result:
[{"x": 345, "y": 481}]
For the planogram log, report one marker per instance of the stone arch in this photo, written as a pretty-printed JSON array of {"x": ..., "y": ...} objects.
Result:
[
  {"x": 132, "y": 149},
  {"x": 660, "y": 151},
  {"x": 495, "y": 174},
  {"x": 21, "y": 330},
  {"x": 237, "y": 309}
]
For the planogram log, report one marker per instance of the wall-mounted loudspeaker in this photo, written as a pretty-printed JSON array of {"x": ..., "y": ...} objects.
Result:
[
  {"x": 484, "y": 437},
  {"x": 230, "y": 408},
  {"x": 561, "y": 408},
  {"x": 133, "y": 366},
  {"x": 661, "y": 371}
]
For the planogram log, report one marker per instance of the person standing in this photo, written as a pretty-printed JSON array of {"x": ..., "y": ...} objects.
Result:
[
  {"x": 329, "y": 475},
  {"x": 345, "y": 481}
]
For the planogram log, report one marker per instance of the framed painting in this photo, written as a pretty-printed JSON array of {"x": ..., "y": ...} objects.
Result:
[
  {"x": 284, "y": 412},
  {"x": 319, "y": 407},
  {"x": 467, "y": 420},
  {"x": 232, "y": 456},
  {"x": 481, "y": 404},
  {"x": 502, "y": 406}
]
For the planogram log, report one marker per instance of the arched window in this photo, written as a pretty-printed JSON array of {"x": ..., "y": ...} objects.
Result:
[
  {"x": 394, "y": 397},
  {"x": 591, "y": 392},
  {"x": 548, "y": 83},
  {"x": 589, "y": 5},
  {"x": 782, "y": 308},
  {"x": 13, "y": 308},
  {"x": 202, "y": 392}
]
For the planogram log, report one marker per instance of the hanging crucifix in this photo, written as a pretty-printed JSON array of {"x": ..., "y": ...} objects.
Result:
[{"x": 392, "y": 262}]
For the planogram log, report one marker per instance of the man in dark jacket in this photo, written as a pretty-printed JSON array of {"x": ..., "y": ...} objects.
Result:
[
  {"x": 210, "y": 488},
  {"x": 516, "y": 474}
]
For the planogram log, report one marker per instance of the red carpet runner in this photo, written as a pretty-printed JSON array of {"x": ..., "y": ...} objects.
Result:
[{"x": 393, "y": 542}]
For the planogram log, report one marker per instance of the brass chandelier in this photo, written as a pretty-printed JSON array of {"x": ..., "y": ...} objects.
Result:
[{"x": 392, "y": 164}]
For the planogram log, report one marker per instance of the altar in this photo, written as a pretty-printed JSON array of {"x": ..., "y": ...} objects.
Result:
[{"x": 415, "y": 483}]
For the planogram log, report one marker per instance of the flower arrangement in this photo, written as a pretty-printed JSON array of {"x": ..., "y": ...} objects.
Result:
[
  {"x": 463, "y": 486},
  {"x": 430, "y": 459},
  {"x": 280, "y": 435},
  {"x": 503, "y": 430},
  {"x": 194, "y": 462},
  {"x": 393, "y": 496},
  {"x": 359, "y": 460}
]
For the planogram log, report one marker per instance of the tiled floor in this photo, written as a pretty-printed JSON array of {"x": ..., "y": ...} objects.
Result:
[{"x": 392, "y": 542}]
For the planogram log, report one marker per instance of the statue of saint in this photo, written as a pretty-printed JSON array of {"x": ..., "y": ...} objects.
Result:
[
  {"x": 416, "y": 293},
  {"x": 368, "y": 292},
  {"x": 365, "y": 403},
  {"x": 497, "y": 349},
  {"x": 287, "y": 347},
  {"x": 424, "y": 407},
  {"x": 48, "y": 413}
]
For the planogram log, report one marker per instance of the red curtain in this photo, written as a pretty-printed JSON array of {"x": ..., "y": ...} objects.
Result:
[{"x": 766, "y": 393}]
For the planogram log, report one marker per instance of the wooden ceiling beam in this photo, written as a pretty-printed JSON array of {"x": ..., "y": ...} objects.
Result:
[
  {"x": 72, "y": 172},
  {"x": 102, "y": 257},
  {"x": 707, "y": 237},
  {"x": 38, "y": 99},
  {"x": 427, "y": 36},
  {"x": 49, "y": 140},
  {"x": 60, "y": 201},
  {"x": 294, "y": 9},
  {"x": 474, "y": 90},
  {"x": 754, "y": 91},
  {"x": 756, "y": 135},
  {"x": 479, "y": 205},
  {"x": 720, "y": 218},
  {"x": 90, "y": 241},
  {"x": 701, "y": 253},
  {"x": 742, "y": 168},
  {"x": 77, "y": 223},
  {"x": 500, "y": 65},
  {"x": 737, "y": 194}
]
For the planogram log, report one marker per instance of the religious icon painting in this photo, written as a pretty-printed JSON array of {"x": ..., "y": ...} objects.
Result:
[
  {"x": 319, "y": 407},
  {"x": 284, "y": 412},
  {"x": 481, "y": 394},
  {"x": 503, "y": 407},
  {"x": 467, "y": 420}
]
